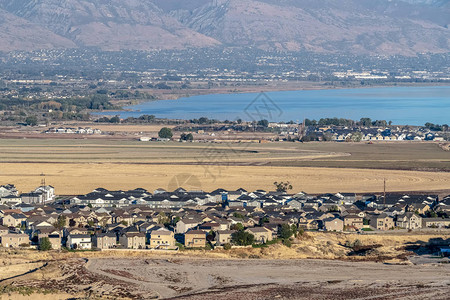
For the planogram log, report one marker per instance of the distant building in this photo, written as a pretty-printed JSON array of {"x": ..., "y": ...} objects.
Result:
[
  {"x": 195, "y": 239},
  {"x": 133, "y": 240},
  {"x": 14, "y": 240},
  {"x": 79, "y": 241},
  {"x": 162, "y": 238},
  {"x": 105, "y": 240},
  {"x": 33, "y": 198}
]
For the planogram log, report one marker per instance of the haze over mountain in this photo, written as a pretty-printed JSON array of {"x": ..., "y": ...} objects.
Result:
[{"x": 384, "y": 27}]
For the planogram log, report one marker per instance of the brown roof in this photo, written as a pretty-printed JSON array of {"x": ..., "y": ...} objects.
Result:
[
  {"x": 258, "y": 229},
  {"x": 195, "y": 232}
]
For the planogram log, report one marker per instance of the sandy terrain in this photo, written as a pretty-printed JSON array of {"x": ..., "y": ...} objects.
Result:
[
  {"x": 177, "y": 277},
  {"x": 12, "y": 270}
]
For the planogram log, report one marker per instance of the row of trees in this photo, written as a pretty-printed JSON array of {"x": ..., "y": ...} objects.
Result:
[
  {"x": 436, "y": 127},
  {"x": 244, "y": 238},
  {"x": 166, "y": 133},
  {"x": 366, "y": 122}
]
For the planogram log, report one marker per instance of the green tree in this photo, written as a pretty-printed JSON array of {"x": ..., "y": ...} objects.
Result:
[
  {"x": 242, "y": 238},
  {"x": 187, "y": 137},
  {"x": 287, "y": 243},
  {"x": 237, "y": 226},
  {"x": 114, "y": 119},
  {"x": 263, "y": 220},
  {"x": 175, "y": 220},
  {"x": 44, "y": 244},
  {"x": 334, "y": 208},
  {"x": 31, "y": 121},
  {"x": 227, "y": 246},
  {"x": 60, "y": 222},
  {"x": 357, "y": 137},
  {"x": 366, "y": 122},
  {"x": 285, "y": 231},
  {"x": 294, "y": 230},
  {"x": 203, "y": 120},
  {"x": 165, "y": 133},
  {"x": 238, "y": 215},
  {"x": 263, "y": 123},
  {"x": 283, "y": 186}
]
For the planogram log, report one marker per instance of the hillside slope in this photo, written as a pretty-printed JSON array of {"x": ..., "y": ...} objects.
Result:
[
  {"x": 382, "y": 27},
  {"x": 356, "y": 26},
  {"x": 109, "y": 25},
  {"x": 19, "y": 34}
]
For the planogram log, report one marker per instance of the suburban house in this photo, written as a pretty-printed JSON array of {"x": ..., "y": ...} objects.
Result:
[
  {"x": 47, "y": 191},
  {"x": 3, "y": 230},
  {"x": 353, "y": 221},
  {"x": 261, "y": 234},
  {"x": 224, "y": 236},
  {"x": 382, "y": 222},
  {"x": 14, "y": 220},
  {"x": 14, "y": 240},
  {"x": 47, "y": 231},
  {"x": 195, "y": 239},
  {"x": 79, "y": 241},
  {"x": 8, "y": 189},
  {"x": 409, "y": 220},
  {"x": 185, "y": 224},
  {"x": 55, "y": 241},
  {"x": 11, "y": 199},
  {"x": 133, "y": 240},
  {"x": 333, "y": 224},
  {"x": 436, "y": 223},
  {"x": 162, "y": 238},
  {"x": 105, "y": 240},
  {"x": 32, "y": 198}
]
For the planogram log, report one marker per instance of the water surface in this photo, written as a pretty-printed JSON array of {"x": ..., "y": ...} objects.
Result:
[{"x": 401, "y": 105}]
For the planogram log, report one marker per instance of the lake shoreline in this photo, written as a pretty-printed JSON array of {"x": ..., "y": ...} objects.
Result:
[
  {"x": 407, "y": 105},
  {"x": 283, "y": 87}
]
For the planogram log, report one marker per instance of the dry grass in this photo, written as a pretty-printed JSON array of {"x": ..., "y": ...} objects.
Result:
[
  {"x": 17, "y": 269},
  {"x": 78, "y": 166},
  {"x": 73, "y": 179}
]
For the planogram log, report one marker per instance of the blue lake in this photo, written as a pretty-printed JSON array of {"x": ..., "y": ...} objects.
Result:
[{"x": 401, "y": 105}]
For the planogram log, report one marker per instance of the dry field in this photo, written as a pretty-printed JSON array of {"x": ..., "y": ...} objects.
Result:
[
  {"x": 285, "y": 279},
  {"x": 275, "y": 272},
  {"x": 78, "y": 166}
]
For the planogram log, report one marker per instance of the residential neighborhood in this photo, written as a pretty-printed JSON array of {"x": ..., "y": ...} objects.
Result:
[{"x": 170, "y": 220}]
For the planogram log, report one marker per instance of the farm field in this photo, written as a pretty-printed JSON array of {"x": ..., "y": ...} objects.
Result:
[{"x": 78, "y": 166}]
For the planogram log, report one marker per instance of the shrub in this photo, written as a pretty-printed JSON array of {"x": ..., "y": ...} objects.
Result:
[
  {"x": 357, "y": 243},
  {"x": 227, "y": 246},
  {"x": 287, "y": 243},
  {"x": 165, "y": 133},
  {"x": 45, "y": 244},
  {"x": 242, "y": 238},
  {"x": 180, "y": 246}
]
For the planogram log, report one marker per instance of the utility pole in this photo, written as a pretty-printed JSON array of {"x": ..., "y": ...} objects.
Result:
[
  {"x": 44, "y": 198},
  {"x": 384, "y": 193}
]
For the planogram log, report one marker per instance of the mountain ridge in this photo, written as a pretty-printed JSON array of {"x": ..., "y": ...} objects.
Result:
[{"x": 406, "y": 27}]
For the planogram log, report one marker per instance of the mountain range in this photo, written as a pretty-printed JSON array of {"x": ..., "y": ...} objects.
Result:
[{"x": 375, "y": 27}]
